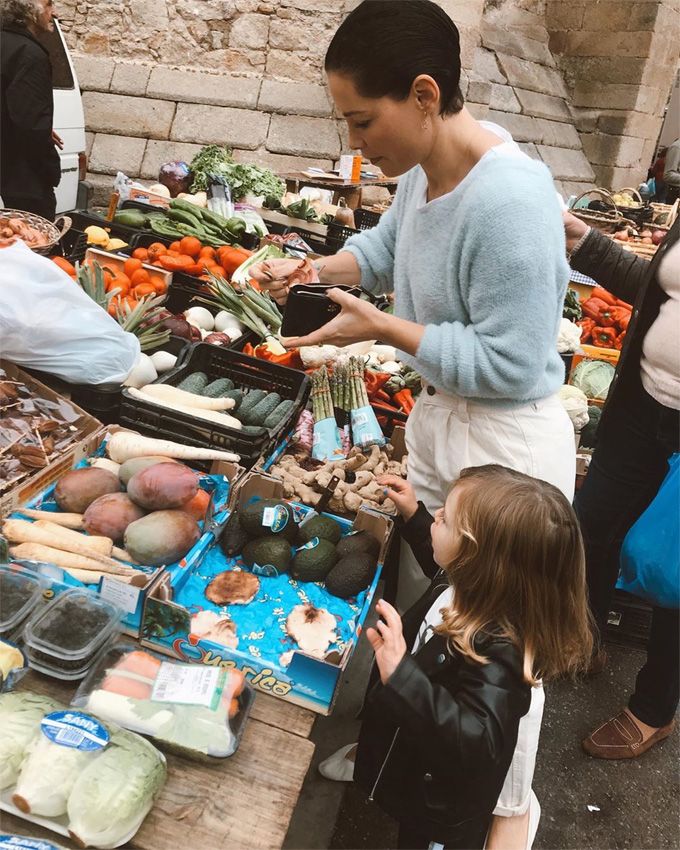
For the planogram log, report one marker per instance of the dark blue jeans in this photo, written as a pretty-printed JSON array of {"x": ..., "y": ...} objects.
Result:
[{"x": 629, "y": 464}]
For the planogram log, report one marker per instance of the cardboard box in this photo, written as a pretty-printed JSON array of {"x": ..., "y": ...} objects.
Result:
[
  {"x": 130, "y": 597},
  {"x": 87, "y": 425},
  {"x": 307, "y": 681}
]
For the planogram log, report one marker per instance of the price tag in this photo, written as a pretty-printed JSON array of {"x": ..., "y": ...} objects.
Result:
[
  {"x": 188, "y": 684},
  {"x": 125, "y": 596}
]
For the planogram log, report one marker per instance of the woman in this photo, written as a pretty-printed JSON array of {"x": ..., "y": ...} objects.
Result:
[
  {"x": 638, "y": 432},
  {"x": 30, "y": 167},
  {"x": 473, "y": 247}
]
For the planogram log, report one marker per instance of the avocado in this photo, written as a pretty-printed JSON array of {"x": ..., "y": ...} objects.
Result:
[
  {"x": 268, "y": 556},
  {"x": 320, "y": 526},
  {"x": 234, "y": 537},
  {"x": 269, "y": 517},
  {"x": 358, "y": 542},
  {"x": 351, "y": 575},
  {"x": 314, "y": 560}
]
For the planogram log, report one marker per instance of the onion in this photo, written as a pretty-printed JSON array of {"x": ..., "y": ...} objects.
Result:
[
  {"x": 200, "y": 317},
  {"x": 658, "y": 236},
  {"x": 217, "y": 339},
  {"x": 225, "y": 321},
  {"x": 621, "y": 236},
  {"x": 178, "y": 326},
  {"x": 176, "y": 176}
]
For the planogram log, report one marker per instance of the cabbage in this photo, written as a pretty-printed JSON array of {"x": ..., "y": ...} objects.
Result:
[
  {"x": 47, "y": 776},
  {"x": 593, "y": 377},
  {"x": 20, "y": 716},
  {"x": 114, "y": 793}
]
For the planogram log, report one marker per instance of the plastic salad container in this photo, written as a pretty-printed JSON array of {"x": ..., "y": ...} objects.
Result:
[
  {"x": 68, "y": 635},
  {"x": 196, "y": 710},
  {"x": 22, "y": 842},
  {"x": 20, "y": 591}
]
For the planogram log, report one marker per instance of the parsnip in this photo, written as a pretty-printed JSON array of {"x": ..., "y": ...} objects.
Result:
[
  {"x": 92, "y": 577},
  {"x": 124, "y": 445},
  {"x": 68, "y": 560},
  {"x": 21, "y": 531},
  {"x": 122, "y": 555},
  {"x": 101, "y": 545},
  {"x": 105, "y": 463},
  {"x": 209, "y": 415},
  {"x": 74, "y": 521},
  {"x": 173, "y": 395}
]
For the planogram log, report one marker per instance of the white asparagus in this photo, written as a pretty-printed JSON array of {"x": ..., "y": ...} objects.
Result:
[
  {"x": 21, "y": 531},
  {"x": 124, "y": 445},
  {"x": 209, "y": 415},
  {"x": 73, "y": 521},
  {"x": 48, "y": 555},
  {"x": 101, "y": 545},
  {"x": 173, "y": 395}
]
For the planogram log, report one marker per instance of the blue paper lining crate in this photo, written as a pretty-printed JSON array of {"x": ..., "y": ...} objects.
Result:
[
  {"x": 222, "y": 479},
  {"x": 263, "y": 645}
]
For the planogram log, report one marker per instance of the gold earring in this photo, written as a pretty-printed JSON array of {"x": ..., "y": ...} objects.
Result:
[{"x": 426, "y": 121}]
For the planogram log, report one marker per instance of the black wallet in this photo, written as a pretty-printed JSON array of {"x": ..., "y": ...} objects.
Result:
[{"x": 308, "y": 308}]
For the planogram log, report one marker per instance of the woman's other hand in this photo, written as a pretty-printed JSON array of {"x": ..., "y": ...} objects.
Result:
[
  {"x": 387, "y": 640},
  {"x": 277, "y": 276},
  {"x": 401, "y": 493},
  {"x": 574, "y": 229}
]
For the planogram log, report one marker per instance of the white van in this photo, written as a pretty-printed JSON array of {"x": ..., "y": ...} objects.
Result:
[{"x": 69, "y": 122}]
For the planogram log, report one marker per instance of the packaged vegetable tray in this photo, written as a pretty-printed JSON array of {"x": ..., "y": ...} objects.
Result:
[
  {"x": 246, "y": 373},
  {"x": 197, "y": 711},
  {"x": 73, "y": 774},
  {"x": 20, "y": 593}
]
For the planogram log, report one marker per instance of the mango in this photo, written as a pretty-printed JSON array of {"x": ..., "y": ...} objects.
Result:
[
  {"x": 136, "y": 464},
  {"x": 161, "y": 537},
  {"x": 110, "y": 515},
  {"x": 163, "y": 486},
  {"x": 76, "y": 490}
]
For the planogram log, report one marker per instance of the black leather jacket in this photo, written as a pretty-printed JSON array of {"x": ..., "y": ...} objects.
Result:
[
  {"x": 634, "y": 280},
  {"x": 437, "y": 740},
  {"x": 29, "y": 162}
]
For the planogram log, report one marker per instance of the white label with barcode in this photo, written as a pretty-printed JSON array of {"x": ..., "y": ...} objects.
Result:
[{"x": 188, "y": 684}]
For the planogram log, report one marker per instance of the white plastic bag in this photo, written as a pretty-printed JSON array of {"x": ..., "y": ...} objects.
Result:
[{"x": 47, "y": 322}]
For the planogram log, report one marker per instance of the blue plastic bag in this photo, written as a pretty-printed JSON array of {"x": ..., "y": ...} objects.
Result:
[{"x": 650, "y": 555}]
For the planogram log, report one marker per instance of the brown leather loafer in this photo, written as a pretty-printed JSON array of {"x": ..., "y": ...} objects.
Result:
[{"x": 621, "y": 738}]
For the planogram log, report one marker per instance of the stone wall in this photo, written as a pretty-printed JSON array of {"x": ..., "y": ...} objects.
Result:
[{"x": 160, "y": 78}]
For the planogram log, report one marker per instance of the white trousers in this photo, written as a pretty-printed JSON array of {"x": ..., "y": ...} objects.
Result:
[{"x": 444, "y": 435}]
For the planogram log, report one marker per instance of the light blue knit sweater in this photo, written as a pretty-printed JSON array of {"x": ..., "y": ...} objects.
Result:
[{"x": 484, "y": 269}]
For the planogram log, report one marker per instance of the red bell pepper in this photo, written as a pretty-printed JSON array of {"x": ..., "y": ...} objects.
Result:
[
  {"x": 618, "y": 342},
  {"x": 603, "y": 295},
  {"x": 604, "y": 337},
  {"x": 624, "y": 320},
  {"x": 592, "y": 308},
  {"x": 404, "y": 398},
  {"x": 586, "y": 326}
]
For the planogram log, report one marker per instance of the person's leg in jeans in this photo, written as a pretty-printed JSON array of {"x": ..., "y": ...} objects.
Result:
[{"x": 655, "y": 699}]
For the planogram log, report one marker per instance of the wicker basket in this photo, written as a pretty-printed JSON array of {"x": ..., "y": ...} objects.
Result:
[
  {"x": 607, "y": 222},
  {"x": 664, "y": 215},
  {"x": 52, "y": 232}
]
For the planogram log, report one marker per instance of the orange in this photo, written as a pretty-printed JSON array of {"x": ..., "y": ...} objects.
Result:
[
  {"x": 156, "y": 250},
  {"x": 159, "y": 285},
  {"x": 131, "y": 266},
  {"x": 144, "y": 289},
  {"x": 190, "y": 245},
  {"x": 208, "y": 252},
  {"x": 64, "y": 265},
  {"x": 139, "y": 276},
  {"x": 141, "y": 254},
  {"x": 175, "y": 246}
]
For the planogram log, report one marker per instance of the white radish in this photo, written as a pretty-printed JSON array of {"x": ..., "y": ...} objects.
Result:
[
  {"x": 74, "y": 521},
  {"x": 200, "y": 317},
  {"x": 102, "y": 545},
  {"x": 171, "y": 395},
  {"x": 163, "y": 361},
  {"x": 105, "y": 463},
  {"x": 143, "y": 372},
  {"x": 198, "y": 413},
  {"x": 70, "y": 560},
  {"x": 124, "y": 445}
]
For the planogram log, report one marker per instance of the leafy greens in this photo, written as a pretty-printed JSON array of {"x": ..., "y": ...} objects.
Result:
[{"x": 243, "y": 179}]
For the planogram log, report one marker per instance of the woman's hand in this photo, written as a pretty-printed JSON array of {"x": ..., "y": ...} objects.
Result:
[
  {"x": 277, "y": 276},
  {"x": 387, "y": 640},
  {"x": 574, "y": 229},
  {"x": 358, "y": 321},
  {"x": 401, "y": 493}
]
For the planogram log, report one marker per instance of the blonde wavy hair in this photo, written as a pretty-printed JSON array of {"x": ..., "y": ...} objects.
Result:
[
  {"x": 19, "y": 12},
  {"x": 518, "y": 570}
]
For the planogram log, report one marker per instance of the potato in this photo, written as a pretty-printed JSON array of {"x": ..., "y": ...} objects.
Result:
[
  {"x": 163, "y": 486},
  {"x": 76, "y": 490},
  {"x": 162, "y": 537},
  {"x": 110, "y": 515},
  {"x": 137, "y": 464}
]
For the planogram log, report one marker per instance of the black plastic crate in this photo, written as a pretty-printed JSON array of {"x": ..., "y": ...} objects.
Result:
[
  {"x": 246, "y": 373},
  {"x": 144, "y": 238},
  {"x": 629, "y": 621},
  {"x": 73, "y": 245},
  {"x": 103, "y": 400},
  {"x": 387, "y": 418},
  {"x": 83, "y": 218},
  {"x": 338, "y": 234}
]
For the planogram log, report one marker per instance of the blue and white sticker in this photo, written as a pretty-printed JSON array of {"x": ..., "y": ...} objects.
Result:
[
  {"x": 311, "y": 544},
  {"x": 265, "y": 570},
  {"x": 74, "y": 729},
  {"x": 275, "y": 519},
  {"x": 23, "y": 843}
]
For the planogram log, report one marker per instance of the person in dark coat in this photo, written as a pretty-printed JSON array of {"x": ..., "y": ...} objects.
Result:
[
  {"x": 29, "y": 162},
  {"x": 638, "y": 433},
  {"x": 506, "y": 607}
]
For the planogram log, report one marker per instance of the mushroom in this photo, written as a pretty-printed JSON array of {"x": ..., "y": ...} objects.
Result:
[{"x": 312, "y": 628}]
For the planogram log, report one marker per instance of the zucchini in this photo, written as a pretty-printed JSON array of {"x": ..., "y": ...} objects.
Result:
[
  {"x": 257, "y": 414},
  {"x": 250, "y": 400},
  {"x": 236, "y": 395},
  {"x": 276, "y": 418},
  {"x": 196, "y": 382},
  {"x": 253, "y": 430},
  {"x": 218, "y": 388}
]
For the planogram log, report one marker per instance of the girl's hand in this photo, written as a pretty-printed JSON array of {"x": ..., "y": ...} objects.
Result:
[
  {"x": 387, "y": 640},
  {"x": 277, "y": 276},
  {"x": 357, "y": 322},
  {"x": 401, "y": 493}
]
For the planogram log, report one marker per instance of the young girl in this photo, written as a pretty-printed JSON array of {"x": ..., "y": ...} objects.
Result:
[{"x": 455, "y": 674}]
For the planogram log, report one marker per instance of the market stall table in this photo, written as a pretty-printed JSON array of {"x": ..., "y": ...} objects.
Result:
[
  {"x": 242, "y": 802},
  {"x": 347, "y": 189}
]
